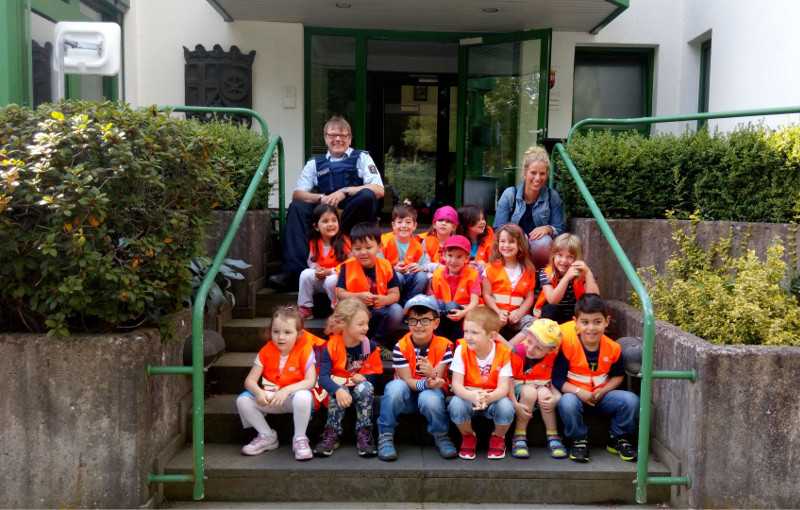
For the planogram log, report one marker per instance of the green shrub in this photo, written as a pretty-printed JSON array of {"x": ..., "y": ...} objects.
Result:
[
  {"x": 722, "y": 298},
  {"x": 238, "y": 152},
  {"x": 751, "y": 174},
  {"x": 101, "y": 210}
]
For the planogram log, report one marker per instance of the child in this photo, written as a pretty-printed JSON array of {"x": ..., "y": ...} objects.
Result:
[
  {"x": 372, "y": 281},
  {"x": 588, "y": 371},
  {"x": 481, "y": 381},
  {"x": 510, "y": 280},
  {"x": 328, "y": 247},
  {"x": 347, "y": 372},
  {"x": 445, "y": 222},
  {"x": 565, "y": 280},
  {"x": 472, "y": 225},
  {"x": 456, "y": 285},
  {"x": 402, "y": 248},
  {"x": 532, "y": 365},
  {"x": 285, "y": 368},
  {"x": 421, "y": 361}
]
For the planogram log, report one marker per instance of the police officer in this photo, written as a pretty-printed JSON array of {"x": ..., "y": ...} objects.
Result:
[{"x": 345, "y": 178}]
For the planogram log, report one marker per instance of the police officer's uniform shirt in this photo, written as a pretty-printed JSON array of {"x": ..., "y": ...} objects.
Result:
[{"x": 367, "y": 170}]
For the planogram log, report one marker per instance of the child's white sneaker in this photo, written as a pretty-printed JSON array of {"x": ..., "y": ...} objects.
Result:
[
  {"x": 260, "y": 444},
  {"x": 301, "y": 448}
]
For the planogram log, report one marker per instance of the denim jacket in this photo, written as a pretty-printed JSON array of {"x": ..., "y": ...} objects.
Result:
[{"x": 547, "y": 210}]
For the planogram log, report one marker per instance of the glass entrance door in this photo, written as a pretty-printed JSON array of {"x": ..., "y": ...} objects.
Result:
[{"x": 506, "y": 87}]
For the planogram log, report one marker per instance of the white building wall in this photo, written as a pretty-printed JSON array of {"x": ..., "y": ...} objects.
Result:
[{"x": 156, "y": 32}]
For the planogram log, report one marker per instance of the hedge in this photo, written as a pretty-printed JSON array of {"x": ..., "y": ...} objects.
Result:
[
  {"x": 101, "y": 209},
  {"x": 751, "y": 174}
]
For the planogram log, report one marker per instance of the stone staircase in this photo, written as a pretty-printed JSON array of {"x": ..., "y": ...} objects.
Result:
[{"x": 419, "y": 475}]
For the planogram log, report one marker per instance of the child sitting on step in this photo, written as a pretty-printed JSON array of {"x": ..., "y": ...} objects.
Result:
[
  {"x": 472, "y": 225},
  {"x": 421, "y": 361},
  {"x": 445, "y": 223},
  {"x": 403, "y": 250},
  {"x": 588, "y": 371},
  {"x": 482, "y": 373},
  {"x": 456, "y": 285},
  {"x": 532, "y": 364},
  {"x": 280, "y": 381},
  {"x": 327, "y": 248},
  {"x": 348, "y": 371},
  {"x": 564, "y": 280}
]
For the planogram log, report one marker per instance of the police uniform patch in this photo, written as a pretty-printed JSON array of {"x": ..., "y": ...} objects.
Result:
[{"x": 372, "y": 169}]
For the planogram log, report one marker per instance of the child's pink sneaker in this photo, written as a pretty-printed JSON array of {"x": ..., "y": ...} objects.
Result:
[
  {"x": 468, "y": 444},
  {"x": 301, "y": 448},
  {"x": 260, "y": 444},
  {"x": 497, "y": 447}
]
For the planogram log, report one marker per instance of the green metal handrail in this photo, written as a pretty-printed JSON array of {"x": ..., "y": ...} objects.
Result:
[
  {"x": 648, "y": 333},
  {"x": 198, "y": 308}
]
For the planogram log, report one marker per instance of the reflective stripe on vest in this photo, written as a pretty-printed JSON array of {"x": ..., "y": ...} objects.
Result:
[
  {"x": 596, "y": 381},
  {"x": 532, "y": 382},
  {"x": 293, "y": 371},
  {"x": 505, "y": 299},
  {"x": 472, "y": 375},
  {"x": 579, "y": 373}
]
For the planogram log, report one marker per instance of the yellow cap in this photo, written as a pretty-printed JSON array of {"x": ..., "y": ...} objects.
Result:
[{"x": 547, "y": 331}]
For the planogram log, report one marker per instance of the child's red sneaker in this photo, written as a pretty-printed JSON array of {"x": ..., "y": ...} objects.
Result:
[
  {"x": 468, "y": 444},
  {"x": 497, "y": 447}
]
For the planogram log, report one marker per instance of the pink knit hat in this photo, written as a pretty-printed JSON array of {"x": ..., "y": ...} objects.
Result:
[
  {"x": 459, "y": 242},
  {"x": 446, "y": 213}
]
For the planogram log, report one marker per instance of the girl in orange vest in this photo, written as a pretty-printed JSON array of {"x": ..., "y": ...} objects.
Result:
[
  {"x": 327, "y": 247},
  {"x": 472, "y": 225},
  {"x": 445, "y": 223},
  {"x": 280, "y": 381},
  {"x": 564, "y": 280},
  {"x": 348, "y": 372},
  {"x": 509, "y": 280},
  {"x": 532, "y": 364},
  {"x": 482, "y": 373},
  {"x": 457, "y": 285}
]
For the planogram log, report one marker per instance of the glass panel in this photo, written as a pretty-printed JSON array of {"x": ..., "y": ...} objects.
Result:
[
  {"x": 332, "y": 84},
  {"x": 502, "y": 115},
  {"x": 412, "y": 57},
  {"x": 608, "y": 85}
]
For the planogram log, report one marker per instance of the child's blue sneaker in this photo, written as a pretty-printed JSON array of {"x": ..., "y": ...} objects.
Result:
[
  {"x": 386, "y": 449},
  {"x": 445, "y": 446}
]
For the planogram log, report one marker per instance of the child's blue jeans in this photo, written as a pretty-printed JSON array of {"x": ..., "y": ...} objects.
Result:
[
  {"x": 383, "y": 322},
  {"x": 621, "y": 405},
  {"x": 411, "y": 284},
  {"x": 501, "y": 412},
  {"x": 399, "y": 399}
]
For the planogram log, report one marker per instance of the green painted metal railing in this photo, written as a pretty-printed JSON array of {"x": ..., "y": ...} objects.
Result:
[
  {"x": 196, "y": 370},
  {"x": 648, "y": 334}
]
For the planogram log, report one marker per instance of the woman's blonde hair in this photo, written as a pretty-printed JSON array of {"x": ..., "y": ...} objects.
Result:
[
  {"x": 534, "y": 154},
  {"x": 568, "y": 242},
  {"x": 344, "y": 312}
]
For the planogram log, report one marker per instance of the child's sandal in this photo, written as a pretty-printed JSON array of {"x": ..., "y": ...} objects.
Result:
[
  {"x": 519, "y": 448},
  {"x": 557, "y": 449}
]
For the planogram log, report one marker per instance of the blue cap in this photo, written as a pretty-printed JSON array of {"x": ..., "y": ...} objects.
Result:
[{"x": 428, "y": 302}]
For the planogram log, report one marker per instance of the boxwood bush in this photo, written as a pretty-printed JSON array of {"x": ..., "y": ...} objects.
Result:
[
  {"x": 101, "y": 209},
  {"x": 751, "y": 174}
]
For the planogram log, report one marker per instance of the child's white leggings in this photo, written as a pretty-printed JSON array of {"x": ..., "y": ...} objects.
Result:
[
  {"x": 252, "y": 414},
  {"x": 309, "y": 285}
]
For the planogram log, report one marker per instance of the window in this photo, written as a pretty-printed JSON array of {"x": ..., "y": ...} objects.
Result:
[
  {"x": 612, "y": 82},
  {"x": 705, "y": 80}
]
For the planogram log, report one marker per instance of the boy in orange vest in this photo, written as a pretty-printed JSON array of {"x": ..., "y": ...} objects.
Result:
[
  {"x": 482, "y": 373},
  {"x": 372, "y": 281},
  {"x": 404, "y": 250},
  {"x": 532, "y": 364},
  {"x": 457, "y": 285},
  {"x": 588, "y": 371},
  {"x": 421, "y": 361}
]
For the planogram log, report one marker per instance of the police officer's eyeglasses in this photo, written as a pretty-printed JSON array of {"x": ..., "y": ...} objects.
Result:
[
  {"x": 425, "y": 322},
  {"x": 338, "y": 135}
]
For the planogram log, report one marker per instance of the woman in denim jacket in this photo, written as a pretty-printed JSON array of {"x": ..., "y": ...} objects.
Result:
[{"x": 534, "y": 206}]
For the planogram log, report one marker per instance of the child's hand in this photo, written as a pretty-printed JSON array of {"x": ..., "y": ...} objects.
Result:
[
  {"x": 367, "y": 298},
  {"x": 401, "y": 268},
  {"x": 424, "y": 367},
  {"x": 523, "y": 410},
  {"x": 413, "y": 268},
  {"x": 503, "y": 314},
  {"x": 480, "y": 403},
  {"x": 577, "y": 269},
  {"x": 434, "y": 383},
  {"x": 515, "y": 316},
  {"x": 537, "y": 313},
  {"x": 262, "y": 398},
  {"x": 357, "y": 379},
  {"x": 546, "y": 400},
  {"x": 379, "y": 301},
  {"x": 279, "y": 397},
  {"x": 343, "y": 398},
  {"x": 598, "y": 395},
  {"x": 586, "y": 397},
  {"x": 322, "y": 273},
  {"x": 456, "y": 315}
]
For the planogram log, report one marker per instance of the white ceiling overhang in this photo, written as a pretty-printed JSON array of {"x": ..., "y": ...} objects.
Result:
[{"x": 430, "y": 15}]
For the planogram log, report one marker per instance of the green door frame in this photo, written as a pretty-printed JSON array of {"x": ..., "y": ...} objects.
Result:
[{"x": 362, "y": 37}]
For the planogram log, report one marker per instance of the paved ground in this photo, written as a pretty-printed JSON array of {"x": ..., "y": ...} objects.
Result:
[{"x": 392, "y": 506}]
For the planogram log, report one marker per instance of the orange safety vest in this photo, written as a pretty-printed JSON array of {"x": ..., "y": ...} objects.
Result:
[
  {"x": 472, "y": 373},
  {"x": 329, "y": 260},
  {"x": 437, "y": 348},
  {"x": 338, "y": 354},
  {"x": 357, "y": 281},
  {"x": 579, "y": 372},
  {"x": 578, "y": 287},
  {"x": 539, "y": 374},
  {"x": 485, "y": 248},
  {"x": 441, "y": 289},
  {"x": 507, "y": 298},
  {"x": 432, "y": 246},
  {"x": 389, "y": 247},
  {"x": 293, "y": 371}
]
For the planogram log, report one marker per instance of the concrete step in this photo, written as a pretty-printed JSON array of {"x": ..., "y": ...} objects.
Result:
[
  {"x": 419, "y": 475},
  {"x": 245, "y": 335},
  {"x": 268, "y": 299}
]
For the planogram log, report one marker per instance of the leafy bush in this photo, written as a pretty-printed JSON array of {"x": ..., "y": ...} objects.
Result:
[
  {"x": 101, "y": 210},
  {"x": 752, "y": 174},
  {"x": 722, "y": 298},
  {"x": 237, "y": 155}
]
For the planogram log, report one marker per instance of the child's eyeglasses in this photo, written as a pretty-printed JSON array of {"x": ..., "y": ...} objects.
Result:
[{"x": 419, "y": 322}]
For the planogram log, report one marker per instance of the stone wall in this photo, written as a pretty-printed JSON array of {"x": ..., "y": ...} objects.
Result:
[
  {"x": 736, "y": 431},
  {"x": 81, "y": 423},
  {"x": 649, "y": 243}
]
